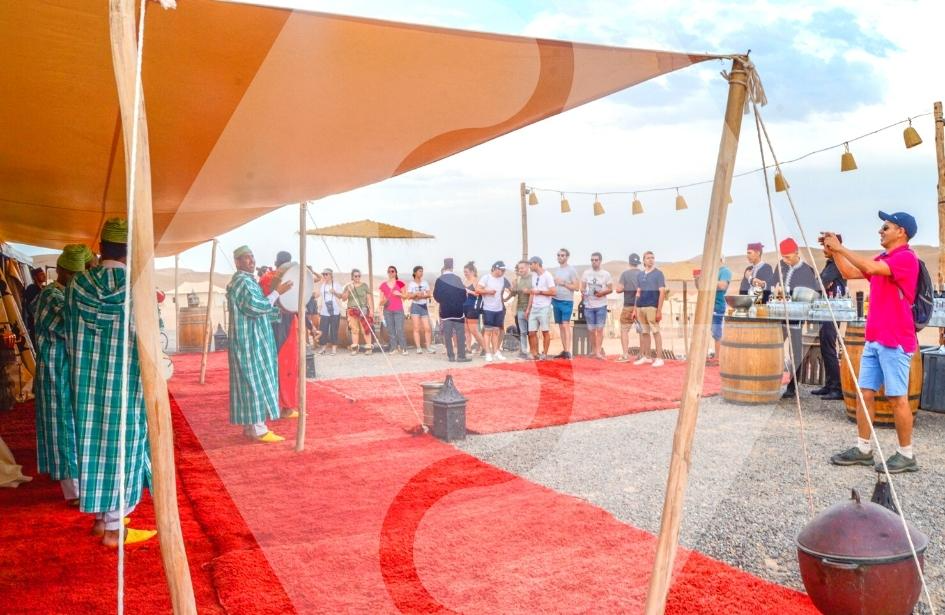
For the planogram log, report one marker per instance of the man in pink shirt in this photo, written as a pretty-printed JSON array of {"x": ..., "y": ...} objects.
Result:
[{"x": 890, "y": 335}]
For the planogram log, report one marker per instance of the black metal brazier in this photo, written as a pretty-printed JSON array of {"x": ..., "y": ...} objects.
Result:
[{"x": 855, "y": 560}]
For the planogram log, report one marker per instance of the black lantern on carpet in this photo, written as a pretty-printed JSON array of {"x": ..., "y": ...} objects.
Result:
[{"x": 449, "y": 413}]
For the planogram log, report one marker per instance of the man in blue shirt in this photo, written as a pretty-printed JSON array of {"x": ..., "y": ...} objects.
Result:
[
  {"x": 718, "y": 309},
  {"x": 649, "y": 310}
]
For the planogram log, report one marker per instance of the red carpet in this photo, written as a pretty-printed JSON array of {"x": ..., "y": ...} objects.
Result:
[
  {"x": 504, "y": 396},
  {"x": 51, "y": 564},
  {"x": 371, "y": 519}
]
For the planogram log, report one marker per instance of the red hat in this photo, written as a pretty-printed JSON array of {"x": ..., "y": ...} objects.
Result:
[
  {"x": 757, "y": 247},
  {"x": 788, "y": 246},
  {"x": 696, "y": 273}
]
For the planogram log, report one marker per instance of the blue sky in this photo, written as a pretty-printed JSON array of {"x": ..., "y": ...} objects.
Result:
[{"x": 832, "y": 70}]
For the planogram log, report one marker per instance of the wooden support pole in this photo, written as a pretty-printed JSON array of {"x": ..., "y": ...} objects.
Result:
[
  {"x": 695, "y": 365},
  {"x": 176, "y": 303},
  {"x": 370, "y": 269},
  {"x": 522, "y": 191},
  {"x": 303, "y": 300},
  {"x": 685, "y": 316},
  {"x": 207, "y": 325},
  {"x": 940, "y": 157},
  {"x": 157, "y": 406}
]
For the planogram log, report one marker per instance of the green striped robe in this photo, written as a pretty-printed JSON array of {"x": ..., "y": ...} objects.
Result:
[
  {"x": 55, "y": 420},
  {"x": 254, "y": 380},
  {"x": 94, "y": 320}
]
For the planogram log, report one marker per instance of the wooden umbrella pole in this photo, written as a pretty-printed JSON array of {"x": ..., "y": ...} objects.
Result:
[
  {"x": 160, "y": 435},
  {"x": 521, "y": 194},
  {"x": 685, "y": 316},
  {"x": 206, "y": 321},
  {"x": 176, "y": 303},
  {"x": 695, "y": 368},
  {"x": 370, "y": 270},
  {"x": 940, "y": 156},
  {"x": 303, "y": 300}
]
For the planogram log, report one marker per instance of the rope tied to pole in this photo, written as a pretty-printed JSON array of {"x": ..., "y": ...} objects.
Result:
[{"x": 752, "y": 82}]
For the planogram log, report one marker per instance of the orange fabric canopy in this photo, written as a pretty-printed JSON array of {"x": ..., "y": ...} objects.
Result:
[{"x": 250, "y": 108}]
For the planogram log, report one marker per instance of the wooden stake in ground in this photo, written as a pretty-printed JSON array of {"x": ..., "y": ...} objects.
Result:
[
  {"x": 303, "y": 300},
  {"x": 163, "y": 484},
  {"x": 207, "y": 325},
  {"x": 695, "y": 369}
]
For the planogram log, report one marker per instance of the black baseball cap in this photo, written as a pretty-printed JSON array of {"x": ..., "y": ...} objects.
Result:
[{"x": 634, "y": 259}]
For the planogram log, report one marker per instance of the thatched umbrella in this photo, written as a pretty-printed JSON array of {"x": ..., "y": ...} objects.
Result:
[{"x": 369, "y": 229}]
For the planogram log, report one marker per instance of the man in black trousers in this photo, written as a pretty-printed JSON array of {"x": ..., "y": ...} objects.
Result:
[
  {"x": 836, "y": 287},
  {"x": 450, "y": 294}
]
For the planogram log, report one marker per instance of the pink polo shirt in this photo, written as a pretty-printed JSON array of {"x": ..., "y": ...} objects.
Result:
[{"x": 889, "y": 320}]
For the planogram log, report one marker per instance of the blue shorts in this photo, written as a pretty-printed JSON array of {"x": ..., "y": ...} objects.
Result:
[
  {"x": 717, "y": 326},
  {"x": 884, "y": 366},
  {"x": 419, "y": 309},
  {"x": 595, "y": 317},
  {"x": 562, "y": 310},
  {"x": 493, "y": 320}
]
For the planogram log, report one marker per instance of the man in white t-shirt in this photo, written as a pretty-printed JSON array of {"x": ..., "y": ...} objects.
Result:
[
  {"x": 596, "y": 285},
  {"x": 539, "y": 307},
  {"x": 495, "y": 291}
]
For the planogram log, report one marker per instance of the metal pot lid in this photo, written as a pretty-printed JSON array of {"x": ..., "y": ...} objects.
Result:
[{"x": 862, "y": 531}]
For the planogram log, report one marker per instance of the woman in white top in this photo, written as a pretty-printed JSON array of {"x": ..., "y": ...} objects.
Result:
[
  {"x": 329, "y": 310},
  {"x": 420, "y": 293},
  {"x": 472, "y": 308}
]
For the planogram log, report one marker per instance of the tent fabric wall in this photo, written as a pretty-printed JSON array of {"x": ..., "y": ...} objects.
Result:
[{"x": 250, "y": 108}]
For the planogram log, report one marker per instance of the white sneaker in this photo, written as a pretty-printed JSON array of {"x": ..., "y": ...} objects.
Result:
[
  {"x": 658, "y": 363},
  {"x": 623, "y": 359},
  {"x": 403, "y": 352},
  {"x": 419, "y": 350},
  {"x": 488, "y": 358},
  {"x": 499, "y": 356},
  {"x": 430, "y": 350},
  {"x": 643, "y": 361}
]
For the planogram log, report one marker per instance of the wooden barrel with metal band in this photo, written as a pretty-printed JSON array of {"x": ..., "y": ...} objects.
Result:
[
  {"x": 751, "y": 361},
  {"x": 854, "y": 340},
  {"x": 190, "y": 326}
]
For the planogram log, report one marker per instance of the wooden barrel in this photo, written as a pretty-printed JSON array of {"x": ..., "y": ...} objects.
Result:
[
  {"x": 190, "y": 327},
  {"x": 854, "y": 340},
  {"x": 752, "y": 361},
  {"x": 430, "y": 389}
]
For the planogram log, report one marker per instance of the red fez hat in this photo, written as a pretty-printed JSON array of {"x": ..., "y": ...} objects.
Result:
[
  {"x": 696, "y": 273},
  {"x": 788, "y": 246},
  {"x": 757, "y": 247}
]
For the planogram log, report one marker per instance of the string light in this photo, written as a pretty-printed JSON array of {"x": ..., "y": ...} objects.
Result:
[{"x": 847, "y": 163}]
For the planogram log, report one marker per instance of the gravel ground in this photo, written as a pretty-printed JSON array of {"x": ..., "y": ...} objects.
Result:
[
  {"x": 746, "y": 498},
  {"x": 343, "y": 365}
]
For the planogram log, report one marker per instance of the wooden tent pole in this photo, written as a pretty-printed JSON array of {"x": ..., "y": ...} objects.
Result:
[
  {"x": 157, "y": 406},
  {"x": 521, "y": 194},
  {"x": 176, "y": 303},
  {"x": 370, "y": 270},
  {"x": 206, "y": 321},
  {"x": 685, "y": 316},
  {"x": 303, "y": 301},
  {"x": 940, "y": 156},
  {"x": 695, "y": 365}
]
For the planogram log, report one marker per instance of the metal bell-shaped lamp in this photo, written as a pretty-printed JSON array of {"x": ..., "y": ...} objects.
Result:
[
  {"x": 847, "y": 163},
  {"x": 910, "y": 136},
  {"x": 680, "y": 201},
  {"x": 598, "y": 208},
  {"x": 565, "y": 206},
  {"x": 532, "y": 197},
  {"x": 637, "y": 207},
  {"x": 780, "y": 184}
]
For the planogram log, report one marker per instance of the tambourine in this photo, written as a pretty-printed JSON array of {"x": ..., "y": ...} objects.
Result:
[{"x": 300, "y": 283}]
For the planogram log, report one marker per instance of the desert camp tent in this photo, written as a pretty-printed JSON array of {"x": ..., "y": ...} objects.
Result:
[{"x": 247, "y": 108}]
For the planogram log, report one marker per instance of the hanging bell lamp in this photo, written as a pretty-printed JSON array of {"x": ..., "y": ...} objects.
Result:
[
  {"x": 565, "y": 206},
  {"x": 910, "y": 136},
  {"x": 637, "y": 208},
  {"x": 680, "y": 201},
  {"x": 598, "y": 208},
  {"x": 532, "y": 197},
  {"x": 780, "y": 184},
  {"x": 847, "y": 163}
]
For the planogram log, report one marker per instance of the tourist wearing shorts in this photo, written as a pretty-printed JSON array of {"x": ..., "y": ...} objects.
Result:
[
  {"x": 649, "y": 310},
  {"x": 522, "y": 285},
  {"x": 890, "y": 336},
  {"x": 566, "y": 283},
  {"x": 539, "y": 307},
  {"x": 472, "y": 308},
  {"x": 392, "y": 300},
  {"x": 494, "y": 290},
  {"x": 628, "y": 284},
  {"x": 596, "y": 286},
  {"x": 360, "y": 309},
  {"x": 418, "y": 290},
  {"x": 718, "y": 308}
]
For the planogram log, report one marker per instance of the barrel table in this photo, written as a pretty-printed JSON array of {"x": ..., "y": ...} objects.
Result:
[
  {"x": 751, "y": 361},
  {"x": 190, "y": 328},
  {"x": 853, "y": 341}
]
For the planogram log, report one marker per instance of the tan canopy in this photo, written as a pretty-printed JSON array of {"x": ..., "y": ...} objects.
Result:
[
  {"x": 369, "y": 229},
  {"x": 251, "y": 108}
]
